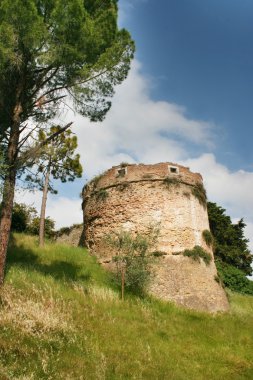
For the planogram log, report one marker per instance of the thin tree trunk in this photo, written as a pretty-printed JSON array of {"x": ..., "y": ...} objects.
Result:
[
  {"x": 122, "y": 283},
  {"x": 43, "y": 209},
  {"x": 6, "y": 216}
]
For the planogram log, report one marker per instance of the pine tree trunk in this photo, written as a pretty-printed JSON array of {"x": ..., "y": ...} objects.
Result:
[
  {"x": 5, "y": 220},
  {"x": 8, "y": 191},
  {"x": 43, "y": 209}
]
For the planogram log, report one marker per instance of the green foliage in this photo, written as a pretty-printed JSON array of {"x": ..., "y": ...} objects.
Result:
[
  {"x": 58, "y": 158},
  {"x": 208, "y": 237},
  {"x": 101, "y": 195},
  {"x": 25, "y": 219},
  {"x": 133, "y": 258},
  {"x": 234, "y": 278},
  {"x": 60, "y": 318},
  {"x": 198, "y": 253},
  {"x": 59, "y": 46},
  {"x": 34, "y": 227},
  {"x": 230, "y": 244},
  {"x": 199, "y": 192},
  {"x": 169, "y": 181},
  {"x": 159, "y": 253},
  {"x": 22, "y": 216}
]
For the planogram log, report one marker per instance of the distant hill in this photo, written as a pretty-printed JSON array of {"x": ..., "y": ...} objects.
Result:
[{"x": 61, "y": 317}]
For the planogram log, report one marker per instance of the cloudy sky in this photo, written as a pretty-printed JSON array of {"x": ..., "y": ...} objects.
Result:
[{"x": 188, "y": 99}]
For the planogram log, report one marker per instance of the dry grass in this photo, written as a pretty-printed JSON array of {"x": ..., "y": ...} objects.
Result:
[{"x": 35, "y": 316}]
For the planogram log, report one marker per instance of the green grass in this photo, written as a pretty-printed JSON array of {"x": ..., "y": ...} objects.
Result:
[{"x": 61, "y": 318}]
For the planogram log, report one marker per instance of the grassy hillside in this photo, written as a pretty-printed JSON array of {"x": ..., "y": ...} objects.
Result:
[{"x": 61, "y": 318}]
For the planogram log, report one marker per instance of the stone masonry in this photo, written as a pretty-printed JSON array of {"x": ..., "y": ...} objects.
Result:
[{"x": 167, "y": 195}]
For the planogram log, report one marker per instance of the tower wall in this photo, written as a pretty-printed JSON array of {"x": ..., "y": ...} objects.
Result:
[{"x": 137, "y": 197}]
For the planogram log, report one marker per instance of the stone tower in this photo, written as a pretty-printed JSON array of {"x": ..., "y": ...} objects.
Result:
[{"x": 135, "y": 197}]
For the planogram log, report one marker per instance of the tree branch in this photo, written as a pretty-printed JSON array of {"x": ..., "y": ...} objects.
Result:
[{"x": 33, "y": 152}]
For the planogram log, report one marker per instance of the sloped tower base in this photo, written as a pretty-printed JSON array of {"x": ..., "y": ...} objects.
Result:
[{"x": 189, "y": 283}]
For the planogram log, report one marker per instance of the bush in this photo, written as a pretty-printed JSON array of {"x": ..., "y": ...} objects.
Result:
[
  {"x": 132, "y": 259},
  {"x": 22, "y": 216},
  {"x": 198, "y": 253},
  {"x": 101, "y": 194},
  {"x": 208, "y": 237},
  {"x": 34, "y": 227},
  {"x": 200, "y": 193},
  {"x": 234, "y": 278},
  {"x": 168, "y": 181}
]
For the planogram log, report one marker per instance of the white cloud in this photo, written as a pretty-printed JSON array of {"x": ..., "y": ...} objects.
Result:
[
  {"x": 230, "y": 189},
  {"x": 64, "y": 211},
  {"x": 138, "y": 128}
]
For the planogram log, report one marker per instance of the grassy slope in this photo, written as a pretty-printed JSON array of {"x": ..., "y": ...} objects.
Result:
[{"x": 61, "y": 319}]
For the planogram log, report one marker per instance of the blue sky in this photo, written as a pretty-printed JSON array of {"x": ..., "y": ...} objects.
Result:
[
  {"x": 188, "y": 99},
  {"x": 199, "y": 54}
]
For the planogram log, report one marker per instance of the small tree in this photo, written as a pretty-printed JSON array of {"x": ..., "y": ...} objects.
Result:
[
  {"x": 58, "y": 161},
  {"x": 132, "y": 259},
  {"x": 34, "y": 227},
  {"x": 22, "y": 216}
]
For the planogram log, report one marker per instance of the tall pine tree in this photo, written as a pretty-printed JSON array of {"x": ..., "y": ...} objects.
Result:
[{"x": 51, "y": 50}]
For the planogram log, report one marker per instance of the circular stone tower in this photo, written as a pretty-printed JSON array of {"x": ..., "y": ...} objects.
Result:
[{"x": 171, "y": 198}]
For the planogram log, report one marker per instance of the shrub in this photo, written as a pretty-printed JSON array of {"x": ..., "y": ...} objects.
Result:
[
  {"x": 200, "y": 193},
  {"x": 208, "y": 237},
  {"x": 22, "y": 216},
  {"x": 101, "y": 194},
  {"x": 124, "y": 164},
  {"x": 34, "y": 227},
  {"x": 168, "y": 181},
  {"x": 198, "y": 253},
  {"x": 158, "y": 253},
  {"x": 132, "y": 259},
  {"x": 234, "y": 278}
]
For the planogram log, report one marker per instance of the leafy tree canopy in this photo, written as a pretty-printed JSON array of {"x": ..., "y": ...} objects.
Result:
[
  {"x": 230, "y": 244},
  {"x": 58, "y": 158},
  {"x": 50, "y": 49}
]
